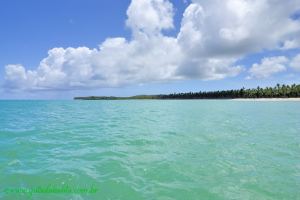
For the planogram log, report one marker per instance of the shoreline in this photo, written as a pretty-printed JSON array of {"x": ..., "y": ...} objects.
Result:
[
  {"x": 266, "y": 99},
  {"x": 222, "y": 99},
  {"x": 277, "y": 93}
]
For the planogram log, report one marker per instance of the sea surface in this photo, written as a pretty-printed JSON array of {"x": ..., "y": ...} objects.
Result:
[{"x": 150, "y": 149}]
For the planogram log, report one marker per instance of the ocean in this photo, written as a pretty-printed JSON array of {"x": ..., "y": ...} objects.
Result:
[{"x": 149, "y": 149}]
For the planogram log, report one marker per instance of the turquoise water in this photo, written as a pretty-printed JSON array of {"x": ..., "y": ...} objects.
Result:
[{"x": 160, "y": 149}]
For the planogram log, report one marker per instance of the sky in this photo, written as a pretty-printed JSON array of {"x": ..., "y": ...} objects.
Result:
[{"x": 61, "y": 49}]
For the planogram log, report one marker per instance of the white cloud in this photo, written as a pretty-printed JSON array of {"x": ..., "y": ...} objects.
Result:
[
  {"x": 237, "y": 27},
  {"x": 213, "y": 36},
  {"x": 268, "y": 67},
  {"x": 290, "y": 44},
  {"x": 150, "y": 16},
  {"x": 273, "y": 65},
  {"x": 16, "y": 75},
  {"x": 295, "y": 62}
]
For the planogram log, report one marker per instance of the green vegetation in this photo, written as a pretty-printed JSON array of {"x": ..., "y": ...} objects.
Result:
[
  {"x": 118, "y": 98},
  {"x": 279, "y": 91}
]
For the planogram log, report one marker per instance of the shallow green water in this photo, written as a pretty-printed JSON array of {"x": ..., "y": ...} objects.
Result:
[{"x": 151, "y": 149}]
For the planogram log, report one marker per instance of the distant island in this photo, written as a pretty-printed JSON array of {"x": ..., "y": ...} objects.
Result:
[{"x": 279, "y": 91}]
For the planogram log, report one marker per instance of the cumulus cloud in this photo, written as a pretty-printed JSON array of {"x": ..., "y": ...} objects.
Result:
[
  {"x": 16, "y": 75},
  {"x": 150, "y": 17},
  {"x": 213, "y": 36},
  {"x": 273, "y": 65},
  {"x": 295, "y": 62},
  {"x": 237, "y": 27},
  {"x": 268, "y": 67},
  {"x": 290, "y": 44}
]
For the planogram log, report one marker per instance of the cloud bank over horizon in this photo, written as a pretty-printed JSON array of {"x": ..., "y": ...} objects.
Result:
[{"x": 214, "y": 35}]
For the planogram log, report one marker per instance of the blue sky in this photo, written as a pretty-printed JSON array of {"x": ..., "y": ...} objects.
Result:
[{"x": 134, "y": 47}]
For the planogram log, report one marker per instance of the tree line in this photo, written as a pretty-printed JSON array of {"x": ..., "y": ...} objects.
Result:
[{"x": 279, "y": 91}]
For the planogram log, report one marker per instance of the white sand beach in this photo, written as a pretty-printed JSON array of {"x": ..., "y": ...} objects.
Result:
[{"x": 266, "y": 99}]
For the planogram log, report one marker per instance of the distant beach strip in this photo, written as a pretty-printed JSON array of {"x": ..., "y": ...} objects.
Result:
[{"x": 277, "y": 93}]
